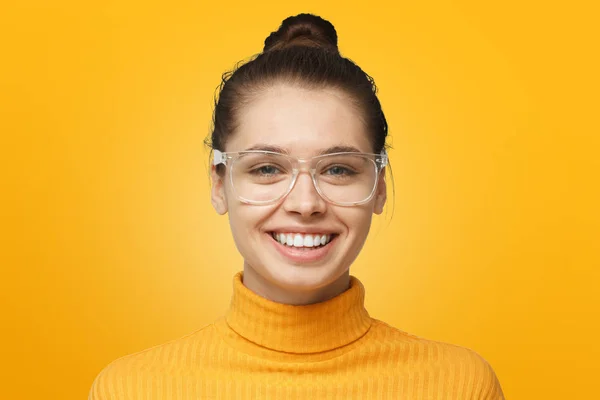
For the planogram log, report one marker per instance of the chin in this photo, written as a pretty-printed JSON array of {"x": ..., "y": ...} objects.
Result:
[{"x": 300, "y": 276}]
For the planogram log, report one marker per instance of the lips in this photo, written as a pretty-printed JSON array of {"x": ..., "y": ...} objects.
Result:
[{"x": 304, "y": 255}]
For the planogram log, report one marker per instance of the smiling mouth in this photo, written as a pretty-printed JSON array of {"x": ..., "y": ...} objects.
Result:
[{"x": 303, "y": 241}]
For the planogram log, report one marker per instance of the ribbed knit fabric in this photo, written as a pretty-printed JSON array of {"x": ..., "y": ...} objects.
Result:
[{"x": 261, "y": 349}]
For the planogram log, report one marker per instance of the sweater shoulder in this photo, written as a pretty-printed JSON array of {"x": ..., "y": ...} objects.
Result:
[
  {"x": 431, "y": 354},
  {"x": 164, "y": 357}
]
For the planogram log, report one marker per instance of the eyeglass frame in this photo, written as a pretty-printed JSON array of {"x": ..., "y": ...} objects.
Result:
[{"x": 380, "y": 161}]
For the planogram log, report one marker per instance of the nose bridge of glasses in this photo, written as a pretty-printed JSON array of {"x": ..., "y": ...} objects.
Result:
[{"x": 304, "y": 164}]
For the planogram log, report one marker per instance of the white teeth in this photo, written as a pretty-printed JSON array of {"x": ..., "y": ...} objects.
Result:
[
  {"x": 300, "y": 240},
  {"x": 308, "y": 241},
  {"x": 317, "y": 240}
]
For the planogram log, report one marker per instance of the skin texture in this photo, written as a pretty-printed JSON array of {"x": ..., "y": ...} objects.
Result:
[{"x": 303, "y": 121}]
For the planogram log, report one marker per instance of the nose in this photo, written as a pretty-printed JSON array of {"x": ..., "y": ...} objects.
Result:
[{"x": 304, "y": 199}]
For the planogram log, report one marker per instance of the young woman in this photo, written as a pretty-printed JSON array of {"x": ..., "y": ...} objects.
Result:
[{"x": 299, "y": 165}]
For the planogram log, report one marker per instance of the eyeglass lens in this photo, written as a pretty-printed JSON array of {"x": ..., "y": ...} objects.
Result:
[{"x": 341, "y": 178}]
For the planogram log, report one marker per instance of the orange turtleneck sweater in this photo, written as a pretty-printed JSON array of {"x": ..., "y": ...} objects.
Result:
[{"x": 261, "y": 349}]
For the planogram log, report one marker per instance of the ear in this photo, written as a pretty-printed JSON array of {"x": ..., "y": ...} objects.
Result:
[
  {"x": 380, "y": 193},
  {"x": 217, "y": 193}
]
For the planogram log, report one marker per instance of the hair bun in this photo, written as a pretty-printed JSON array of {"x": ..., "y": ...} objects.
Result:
[{"x": 303, "y": 30}]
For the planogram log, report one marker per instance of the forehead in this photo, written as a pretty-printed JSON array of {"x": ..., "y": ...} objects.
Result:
[{"x": 301, "y": 121}]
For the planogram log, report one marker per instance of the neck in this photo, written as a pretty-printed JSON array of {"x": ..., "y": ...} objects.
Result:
[{"x": 293, "y": 295}]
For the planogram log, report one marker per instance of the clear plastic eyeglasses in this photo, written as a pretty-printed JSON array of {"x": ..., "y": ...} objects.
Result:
[{"x": 264, "y": 177}]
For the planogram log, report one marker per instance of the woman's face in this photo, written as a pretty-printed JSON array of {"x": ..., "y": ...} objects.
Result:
[{"x": 304, "y": 123}]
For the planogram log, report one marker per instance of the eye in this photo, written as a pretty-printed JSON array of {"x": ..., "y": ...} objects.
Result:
[
  {"x": 266, "y": 170},
  {"x": 339, "y": 170}
]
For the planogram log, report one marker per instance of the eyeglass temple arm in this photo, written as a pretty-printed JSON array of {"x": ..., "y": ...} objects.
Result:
[
  {"x": 218, "y": 157},
  {"x": 384, "y": 158}
]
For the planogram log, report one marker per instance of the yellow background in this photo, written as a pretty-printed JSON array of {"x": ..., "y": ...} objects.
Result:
[{"x": 110, "y": 244}]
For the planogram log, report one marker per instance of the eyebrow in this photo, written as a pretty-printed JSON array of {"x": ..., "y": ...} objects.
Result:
[
  {"x": 268, "y": 147},
  {"x": 329, "y": 150},
  {"x": 340, "y": 149}
]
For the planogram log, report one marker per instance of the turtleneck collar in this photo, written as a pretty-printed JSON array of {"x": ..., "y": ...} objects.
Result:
[{"x": 307, "y": 328}]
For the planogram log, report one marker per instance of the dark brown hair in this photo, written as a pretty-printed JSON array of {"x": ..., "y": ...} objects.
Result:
[{"x": 303, "y": 52}]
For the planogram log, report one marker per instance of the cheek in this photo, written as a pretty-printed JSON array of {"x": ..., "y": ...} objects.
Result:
[
  {"x": 246, "y": 221},
  {"x": 357, "y": 220}
]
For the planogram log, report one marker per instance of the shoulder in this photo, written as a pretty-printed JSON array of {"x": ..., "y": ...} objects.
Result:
[
  {"x": 122, "y": 375},
  {"x": 450, "y": 360}
]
